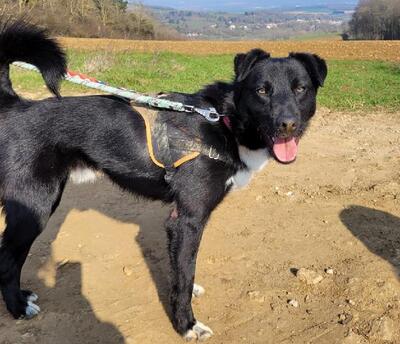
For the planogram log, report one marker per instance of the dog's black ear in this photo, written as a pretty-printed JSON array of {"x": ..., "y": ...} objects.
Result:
[
  {"x": 315, "y": 66},
  {"x": 245, "y": 62}
]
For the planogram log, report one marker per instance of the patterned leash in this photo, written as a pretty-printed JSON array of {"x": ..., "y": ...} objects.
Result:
[{"x": 81, "y": 79}]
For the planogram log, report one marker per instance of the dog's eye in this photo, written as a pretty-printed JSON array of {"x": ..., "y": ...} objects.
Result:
[
  {"x": 262, "y": 90},
  {"x": 300, "y": 89}
]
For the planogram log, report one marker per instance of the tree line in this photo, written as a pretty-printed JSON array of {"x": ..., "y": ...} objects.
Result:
[
  {"x": 89, "y": 18},
  {"x": 375, "y": 19}
]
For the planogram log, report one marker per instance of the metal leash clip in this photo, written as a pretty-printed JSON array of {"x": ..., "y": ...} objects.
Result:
[{"x": 210, "y": 114}]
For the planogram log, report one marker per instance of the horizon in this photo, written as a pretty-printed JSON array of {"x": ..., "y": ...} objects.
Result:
[{"x": 241, "y": 6}]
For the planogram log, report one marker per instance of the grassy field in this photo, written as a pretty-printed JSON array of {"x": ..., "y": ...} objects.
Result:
[{"x": 351, "y": 84}]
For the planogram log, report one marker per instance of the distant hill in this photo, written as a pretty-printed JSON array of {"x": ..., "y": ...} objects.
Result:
[
  {"x": 268, "y": 24},
  {"x": 240, "y": 6}
]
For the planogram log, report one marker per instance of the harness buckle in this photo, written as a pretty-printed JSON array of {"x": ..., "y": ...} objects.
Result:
[{"x": 169, "y": 173}]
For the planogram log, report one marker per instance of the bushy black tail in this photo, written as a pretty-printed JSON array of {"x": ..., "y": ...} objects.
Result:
[{"x": 21, "y": 41}]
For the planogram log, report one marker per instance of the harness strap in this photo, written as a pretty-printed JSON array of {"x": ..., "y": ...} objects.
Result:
[
  {"x": 160, "y": 131},
  {"x": 148, "y": 139}
]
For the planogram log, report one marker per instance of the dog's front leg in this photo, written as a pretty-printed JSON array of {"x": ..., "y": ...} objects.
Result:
[
  {"x": 198, "y": 187},
  {"x": 184, "y": 234}
]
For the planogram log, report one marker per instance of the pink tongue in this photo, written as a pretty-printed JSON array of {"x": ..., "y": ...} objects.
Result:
[{"x": 285, "y": 149}]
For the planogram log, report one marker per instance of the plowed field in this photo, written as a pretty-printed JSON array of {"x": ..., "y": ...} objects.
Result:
[{"x": 330, "y": 49}]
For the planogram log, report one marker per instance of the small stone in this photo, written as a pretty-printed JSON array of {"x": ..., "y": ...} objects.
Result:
[
  {"x": 309, "y": 277},
  {"x": 329, "y": 271},
  {"x": 127, "y": 270},
  {"x": 353, "y": 280},
  {"x": 62, "y": 263},
  {"x": 293, "y": 303},
  {"x": 350, "y": 302},
  {"x": 255, "y": 295},
  {"x": 290, "y": 193},
  {"x": 345, "y": 318},
  {"x": 259, "y": 198}
]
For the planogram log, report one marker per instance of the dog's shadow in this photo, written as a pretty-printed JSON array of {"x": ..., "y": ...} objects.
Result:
[
  {"x": 378, "y": 230},
  {"x": 108, "y": 199}
]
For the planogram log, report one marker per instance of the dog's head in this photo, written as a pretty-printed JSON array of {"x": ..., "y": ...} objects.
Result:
[{"x": 274, "y": 99}]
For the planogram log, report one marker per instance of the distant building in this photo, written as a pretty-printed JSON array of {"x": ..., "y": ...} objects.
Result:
[
  {"x": 193, "y": 34},
  {"x": 271, "y": 26}
]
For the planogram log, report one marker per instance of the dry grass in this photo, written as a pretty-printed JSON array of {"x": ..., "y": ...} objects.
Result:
[
  {"x": 100, "y": 62},
  {"x": 330, "y": 49}
]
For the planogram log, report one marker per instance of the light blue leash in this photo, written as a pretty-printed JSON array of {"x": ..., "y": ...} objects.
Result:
[{"x": 209, "y": 114}]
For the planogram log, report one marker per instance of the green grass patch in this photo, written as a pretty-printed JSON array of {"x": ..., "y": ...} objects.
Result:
[
  {"x": 359, "y": 85},
  {"x": 351, "y": 85}
]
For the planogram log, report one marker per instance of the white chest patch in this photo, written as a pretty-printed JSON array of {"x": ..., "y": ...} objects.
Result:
[
  {"x": 82, "y": 175},
  {"x": 255, "y": 160}
]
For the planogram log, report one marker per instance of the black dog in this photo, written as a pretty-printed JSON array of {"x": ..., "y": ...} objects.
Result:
[{"x": 267, "y": 108}]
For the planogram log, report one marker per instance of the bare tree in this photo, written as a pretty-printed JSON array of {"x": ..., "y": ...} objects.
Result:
[
  {"x": 89, "y": 18},
  {"x": 375, "y": 19}
]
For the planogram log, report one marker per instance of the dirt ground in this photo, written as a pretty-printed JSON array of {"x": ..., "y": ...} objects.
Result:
[{"x": 101, "y": 268}]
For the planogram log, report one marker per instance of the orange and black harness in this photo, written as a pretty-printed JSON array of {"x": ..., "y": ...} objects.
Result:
[{"x": 169, "y": 146}]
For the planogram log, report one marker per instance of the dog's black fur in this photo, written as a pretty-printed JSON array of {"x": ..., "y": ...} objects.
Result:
[{"x": 41, "y": 141}]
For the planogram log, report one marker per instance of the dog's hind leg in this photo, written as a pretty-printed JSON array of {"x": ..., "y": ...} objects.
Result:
[{"x": 27, "y": 214}]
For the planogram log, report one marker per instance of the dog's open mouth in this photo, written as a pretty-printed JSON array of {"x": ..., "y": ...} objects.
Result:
[{"x": 285, "y": 149}]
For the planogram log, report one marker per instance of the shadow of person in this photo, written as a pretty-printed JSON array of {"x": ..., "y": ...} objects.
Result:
[
  {"x": 68, "y": 319},
  {"x": 150, "y": 216},
  {"x": 73, "y": 320},
  {"x": 378, "y": 230}
]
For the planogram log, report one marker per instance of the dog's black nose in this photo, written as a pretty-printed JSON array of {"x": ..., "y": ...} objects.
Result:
[{"x": 287, "y": 126}]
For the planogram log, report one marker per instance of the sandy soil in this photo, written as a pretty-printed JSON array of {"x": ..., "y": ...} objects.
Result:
[{"x": 101, "y": 267}]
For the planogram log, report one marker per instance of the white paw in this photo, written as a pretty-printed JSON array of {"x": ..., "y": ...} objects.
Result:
[
  {"x": 198, "y": 290},
  {"x": 198, "y": 332},
  {"x": 31, "y": 310},
  {"x": 33, "y": 297}
]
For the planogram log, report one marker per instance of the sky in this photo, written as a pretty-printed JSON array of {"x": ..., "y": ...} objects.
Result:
[{"x": 238, "y": 5}]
